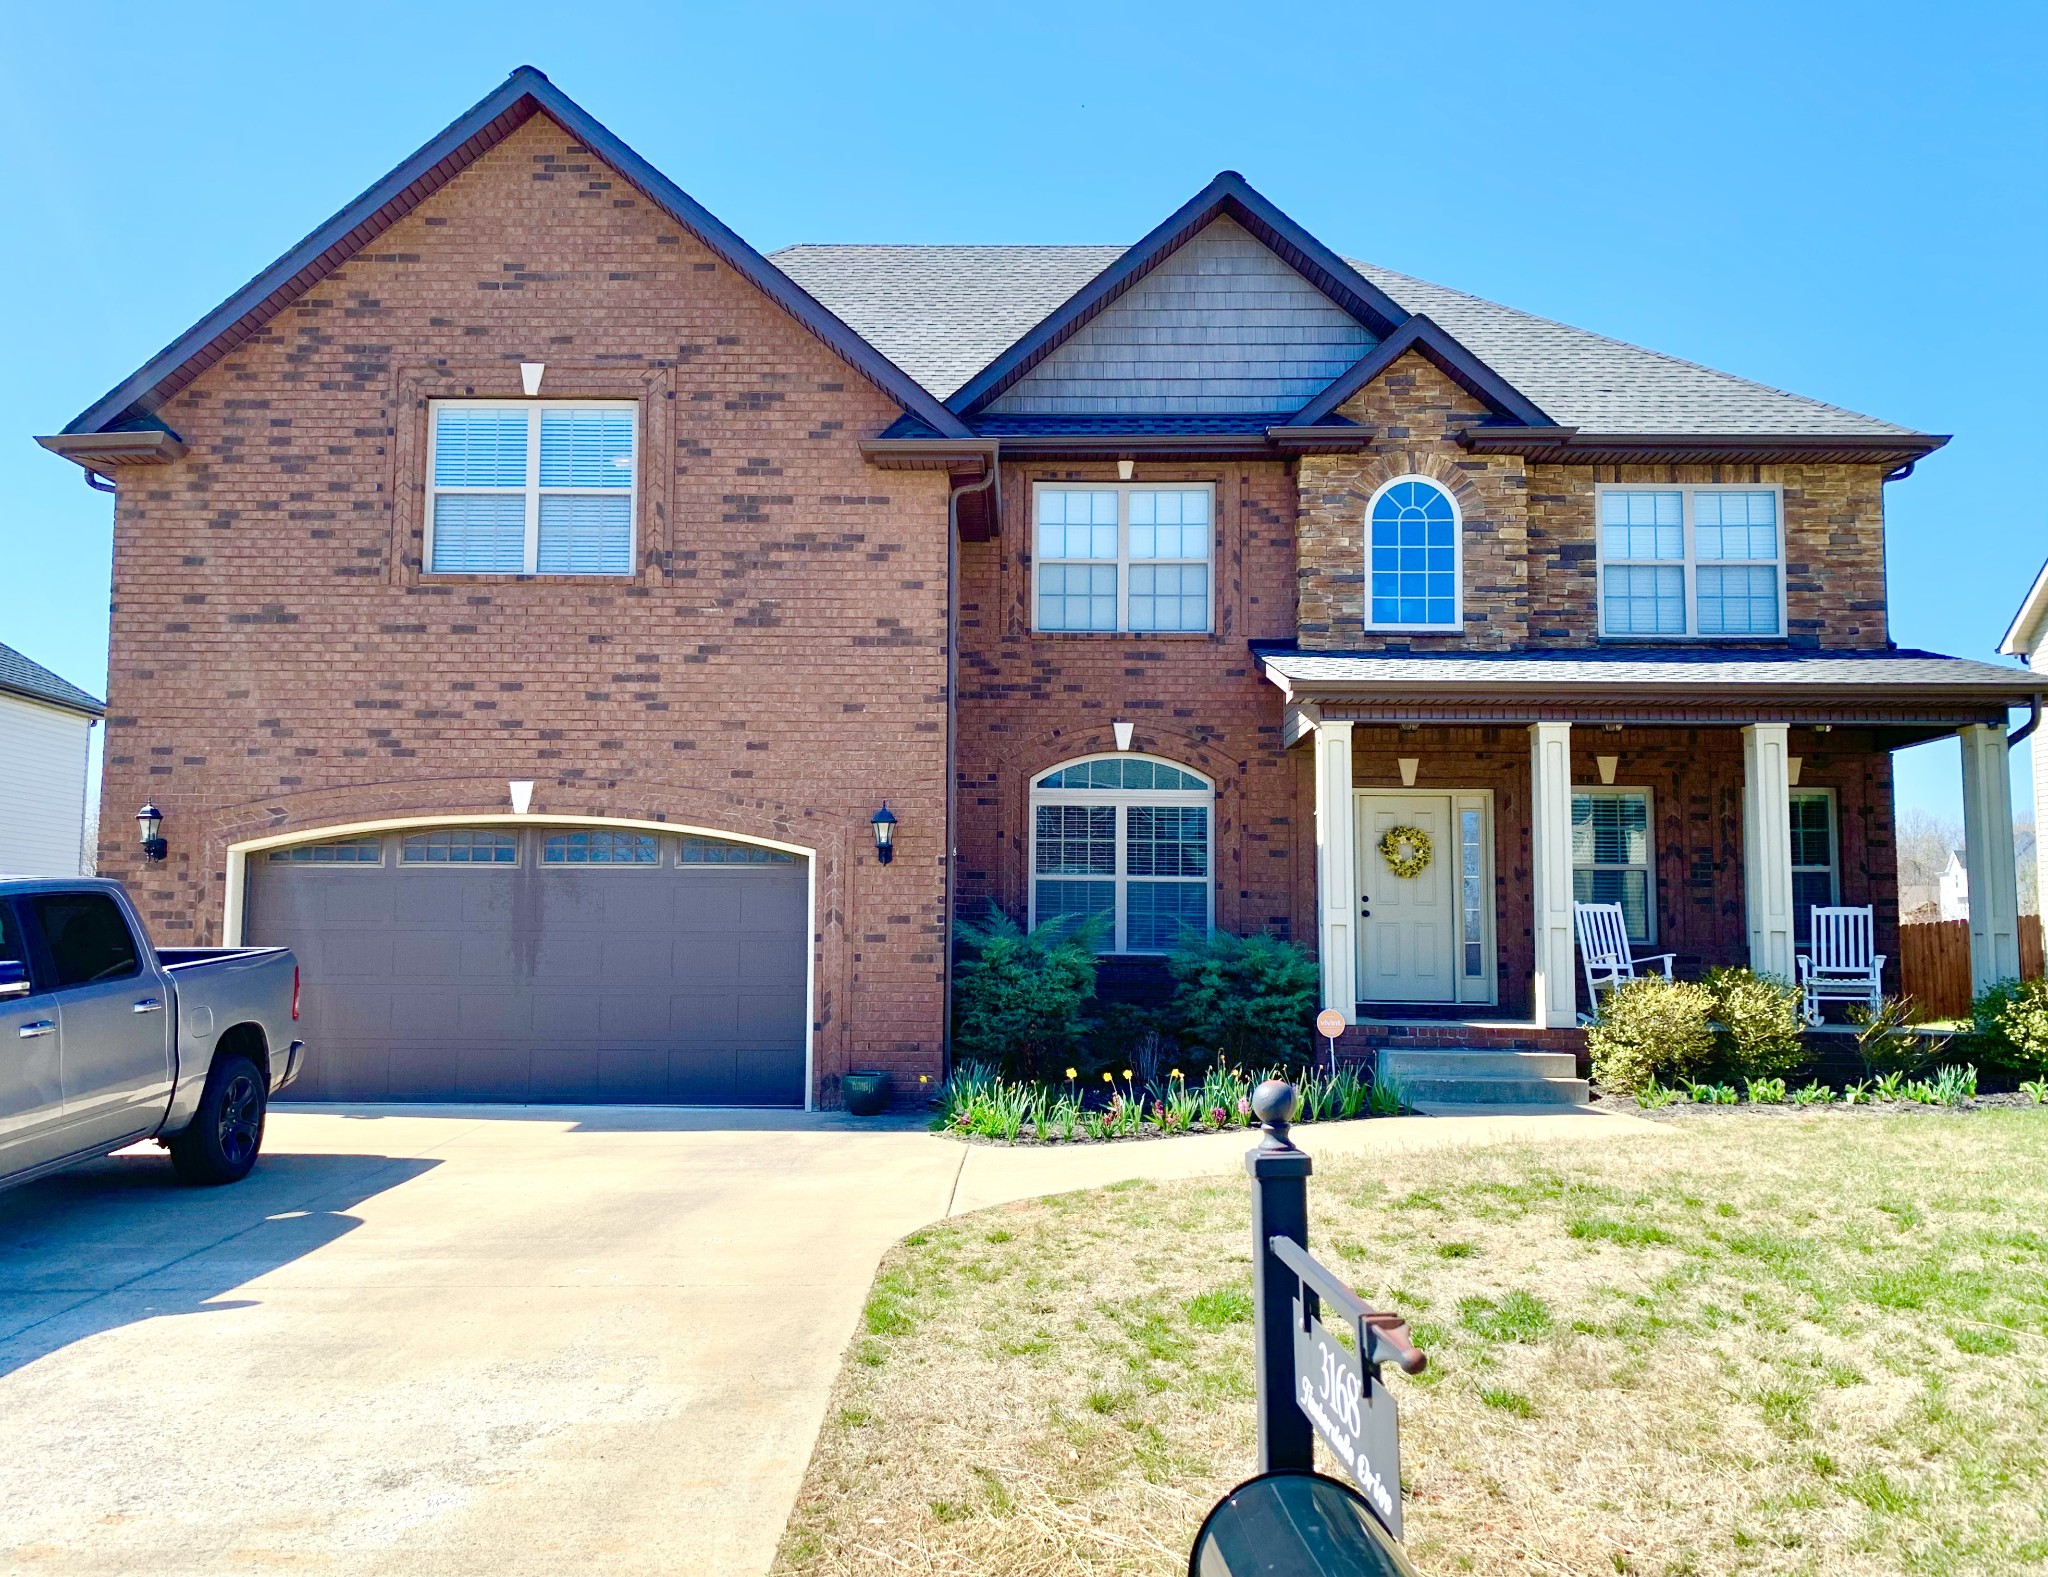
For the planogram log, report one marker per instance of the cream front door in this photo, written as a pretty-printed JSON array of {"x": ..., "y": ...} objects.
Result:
[{"x": 1407, "y": 929}]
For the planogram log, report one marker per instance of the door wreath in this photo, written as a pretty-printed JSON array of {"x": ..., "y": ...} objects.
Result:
[{"x": 1407, "y": 851}]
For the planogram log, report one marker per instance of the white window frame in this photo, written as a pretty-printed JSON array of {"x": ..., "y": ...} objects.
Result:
[
  {"x": 533, "y": 490},
  {"x": 1123, "y": 562},
  {"x": 1457, "y": 557},
  {"x": 1834, "y": 865},
  {"x": 1122, "y": 800},
  {"x": 1690, "y": 565},
  {"x": 1649, "y": 865}
]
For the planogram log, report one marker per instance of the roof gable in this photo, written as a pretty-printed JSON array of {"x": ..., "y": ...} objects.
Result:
[
  {"x": 1457, "y": 363},
  {"x": 1230, "y": 197},
  {"x": 23, "y": 676},
  {"x": 135, "y": 402},
  {"x": 1221, "y": 325}
]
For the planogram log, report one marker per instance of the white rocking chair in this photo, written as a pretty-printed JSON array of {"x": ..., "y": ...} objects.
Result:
[
  {"x": 1839, "y": 965},
  {"x": 1604, "y": 949}
]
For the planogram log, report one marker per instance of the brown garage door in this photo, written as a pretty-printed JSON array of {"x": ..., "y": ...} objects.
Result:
[{"x": 542, "y": 964}]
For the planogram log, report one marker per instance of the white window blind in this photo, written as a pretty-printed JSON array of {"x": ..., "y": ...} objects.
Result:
[
  {"x": 531, "y": 487},
  {"x": 1127, "y": 839}
]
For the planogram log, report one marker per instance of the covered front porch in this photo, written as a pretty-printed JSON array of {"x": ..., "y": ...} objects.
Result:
[{"x": 1464, "y": 803}]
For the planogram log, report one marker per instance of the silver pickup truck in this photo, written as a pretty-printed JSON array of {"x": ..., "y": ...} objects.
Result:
[{"x": 105, "y": 1040}]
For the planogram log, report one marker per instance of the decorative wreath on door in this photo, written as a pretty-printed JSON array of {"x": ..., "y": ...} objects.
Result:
[{"x": 1407, "y": 851}]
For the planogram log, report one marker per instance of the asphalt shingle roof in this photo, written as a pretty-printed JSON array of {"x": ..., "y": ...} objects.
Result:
[
  {"x": 942, "y": 313},
  {"x": 20, "y": 676}
]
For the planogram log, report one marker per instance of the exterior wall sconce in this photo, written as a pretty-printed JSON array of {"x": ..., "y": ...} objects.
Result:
[
  {"x": 149, "y": 822},
  {"x": 884, "y": 823}
]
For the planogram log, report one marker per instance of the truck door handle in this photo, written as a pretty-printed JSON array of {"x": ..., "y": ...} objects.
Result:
[
  {"x": 148, "y": 1005},
  {"x": 41, "y": 1026}
]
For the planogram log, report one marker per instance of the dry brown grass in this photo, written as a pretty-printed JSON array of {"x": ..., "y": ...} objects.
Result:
[{"x": 1786, "y": 1345}]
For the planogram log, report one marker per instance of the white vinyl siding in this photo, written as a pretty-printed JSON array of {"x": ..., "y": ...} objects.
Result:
[
  {"x": 531, "y": 487},
  {"x": 43, "y": 753},
  {"x": 1130, "y": 559},
  {"x": 1126, "y": 838},
  {"x": 1691, "y": 561}
]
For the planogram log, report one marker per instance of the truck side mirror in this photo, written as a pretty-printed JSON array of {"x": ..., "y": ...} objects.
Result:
[
  {"x": 14, "y": 981},
  {"x": 1301, "y": 1524}
]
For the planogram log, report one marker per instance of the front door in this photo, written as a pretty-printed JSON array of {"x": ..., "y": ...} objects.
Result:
[{"x": 1407, "y": 931}]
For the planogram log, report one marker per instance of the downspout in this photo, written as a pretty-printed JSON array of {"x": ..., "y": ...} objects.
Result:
[
  {"x": 2028, "y": 726},
  {"x": 991, "y": 472},
  {"x": 98, "y": 483}
]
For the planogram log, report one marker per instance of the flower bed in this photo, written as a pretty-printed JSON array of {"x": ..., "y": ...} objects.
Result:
[{"x": 978, "y": 1103}]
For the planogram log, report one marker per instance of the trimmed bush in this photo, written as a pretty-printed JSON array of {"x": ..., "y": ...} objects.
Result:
[
  {"x": 1758, "y": 1021},
  {"x": 1018, "y": 999},
  {"x": 1649, "y": 1031},
  {"x": 1250, "y": 999},
  {"x": 2009, "y": 1022}
]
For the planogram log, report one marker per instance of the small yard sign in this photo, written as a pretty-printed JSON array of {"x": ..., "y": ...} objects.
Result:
[{"x": 1329, "y": 1025}]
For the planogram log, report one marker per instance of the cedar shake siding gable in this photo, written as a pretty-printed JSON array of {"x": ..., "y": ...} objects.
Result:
[{"x": 137, "y": 401}]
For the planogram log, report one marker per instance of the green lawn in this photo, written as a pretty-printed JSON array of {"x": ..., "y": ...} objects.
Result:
[{"x": 1772, "y": 1343}]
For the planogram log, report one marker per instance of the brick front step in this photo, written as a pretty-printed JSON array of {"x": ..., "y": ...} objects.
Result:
[
  {"x": 1448, "y": 1077},
  {"x": 1362, "y": 1040}
]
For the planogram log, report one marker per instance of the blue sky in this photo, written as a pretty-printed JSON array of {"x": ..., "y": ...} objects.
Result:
[{"x": 1844, "y": 200}]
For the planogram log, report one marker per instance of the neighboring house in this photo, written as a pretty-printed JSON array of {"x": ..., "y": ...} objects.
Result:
[
  {"x": 1952, "y": 889},
  {"x": 2027, "y": 639},
  {"x": 527, "y": 594},
  {"x": 45, "y": 740}
]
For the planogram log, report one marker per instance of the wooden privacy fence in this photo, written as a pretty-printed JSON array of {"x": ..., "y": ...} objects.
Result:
[{"x": 1934, "y": 963}]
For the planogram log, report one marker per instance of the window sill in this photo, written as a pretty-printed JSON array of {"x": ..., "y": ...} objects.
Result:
[
  {"x": 1123, "y": 635},
  {"x": 455, "y": 577},
  {"x": 1691, "y": 640}
]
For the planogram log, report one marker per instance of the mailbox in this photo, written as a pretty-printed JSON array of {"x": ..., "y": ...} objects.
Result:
[{"x": 1293, "y": 1524}]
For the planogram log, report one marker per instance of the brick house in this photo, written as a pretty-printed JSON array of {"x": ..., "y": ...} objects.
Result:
[{"x": 526, "y": 595}]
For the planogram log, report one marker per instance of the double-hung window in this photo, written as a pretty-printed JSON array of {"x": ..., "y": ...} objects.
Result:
[
  {"x": 1814, "y": 864},
  {"x": 1611, "y": 855},
  {"x": 1692, "y": 561},
  {"x": 531, "y": 487},
  {"x": 1126, "y": 840},
  {"x": 1123, "y": 558}
]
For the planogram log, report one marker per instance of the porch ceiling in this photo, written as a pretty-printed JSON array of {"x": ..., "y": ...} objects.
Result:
[{"x": 1896, "y": 689}]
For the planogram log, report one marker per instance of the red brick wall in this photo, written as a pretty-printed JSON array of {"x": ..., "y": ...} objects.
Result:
[
  {"x": 1028, "y": 702},
  {"x": 774, "y": 667},
  {"x": 1695, "y": 780}
]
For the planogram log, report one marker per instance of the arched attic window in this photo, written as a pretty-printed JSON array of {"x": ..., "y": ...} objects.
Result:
[
  {"x": 1414, "y": 557},
  {"x": 1130, "y": 839}
]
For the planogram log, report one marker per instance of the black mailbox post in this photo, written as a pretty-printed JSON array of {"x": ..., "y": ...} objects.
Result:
[{"x": 1291, "y": 1521}]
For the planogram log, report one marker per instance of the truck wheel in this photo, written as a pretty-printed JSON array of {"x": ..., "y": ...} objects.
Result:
[{"x": 227, "y": 1131}]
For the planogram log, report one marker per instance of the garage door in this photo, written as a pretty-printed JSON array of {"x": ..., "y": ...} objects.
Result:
[{"x": 542, "y": 964}]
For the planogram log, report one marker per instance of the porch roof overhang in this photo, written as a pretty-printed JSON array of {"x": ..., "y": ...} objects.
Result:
[{"x": 1911, "y": 691}]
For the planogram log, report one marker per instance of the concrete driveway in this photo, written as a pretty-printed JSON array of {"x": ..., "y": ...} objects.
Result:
[
  {"x": 486, "y": 1340},
  {"x": 529, "y": 1340}
]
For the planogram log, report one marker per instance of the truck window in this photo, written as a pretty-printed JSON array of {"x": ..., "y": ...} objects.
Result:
[
  {"x": 14, "y": 965},
  {"x": 87, "y": 938}
]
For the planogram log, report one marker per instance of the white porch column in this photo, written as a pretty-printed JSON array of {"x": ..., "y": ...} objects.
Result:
[
  {"x": 1336, "y": 869},
  {"x": 1767, "y": 848},
  {"x": 1988, "y": 855},
  {"x": 1550, "y": 871}
]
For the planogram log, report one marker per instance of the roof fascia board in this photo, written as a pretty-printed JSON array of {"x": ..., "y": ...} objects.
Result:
[
  {"x": 1228, "y": 194},
  {"x": 2023, "y": 636},
  {"x": 1430, "y": 339},
  {"x": 488, "y": 122},
  {"x": 1567, "y": 445},
  {"x": 15, "y": 692}
]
